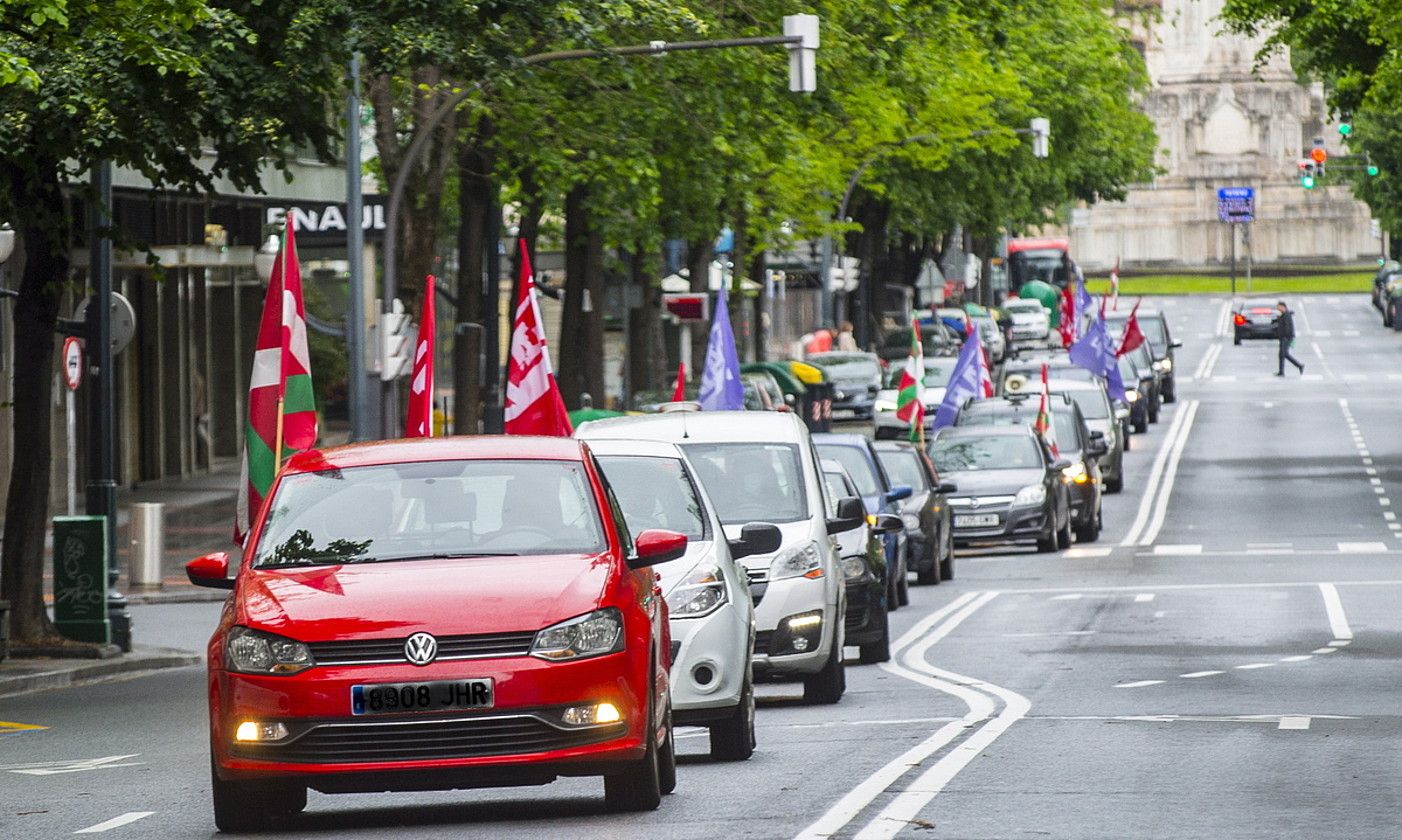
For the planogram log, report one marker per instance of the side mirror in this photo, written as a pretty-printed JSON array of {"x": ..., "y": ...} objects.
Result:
[
  {"x": 1060, "y": 464},
  {"x": 899, "y": 493},
  {"x": 756, "y": 538},
  {"x": 947, "y": 487},
  {"x": 1098, "y": 446},
  {"x": 851, "y": 513},
  {"x": 889, "y": 523},
  {"x": 1121, "y": 414},
  {"x": 211, "y": 570},
  {"x": 1176, "y": 344},
  {"x": 655, "y": 546}
]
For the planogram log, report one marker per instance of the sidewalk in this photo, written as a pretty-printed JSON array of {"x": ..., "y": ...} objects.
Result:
[{"x": 25, "y": 676}]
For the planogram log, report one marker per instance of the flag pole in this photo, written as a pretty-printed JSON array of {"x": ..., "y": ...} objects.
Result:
[{"x": 282, "y": 380}]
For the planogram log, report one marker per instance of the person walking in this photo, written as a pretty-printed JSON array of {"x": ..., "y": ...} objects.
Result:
[
  {"x": 1285, "y": 332},
  {"x": 846, "y": 340}
]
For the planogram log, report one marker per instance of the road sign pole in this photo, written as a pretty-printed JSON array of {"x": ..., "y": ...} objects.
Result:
[{"x": 1231, "y": 231}]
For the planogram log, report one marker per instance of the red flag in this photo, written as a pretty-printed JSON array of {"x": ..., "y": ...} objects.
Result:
[
  {"x": 1068, "y": 316},
  {"x": 679, "y": 392},
  {"x": 420, "y": 420},
  {"x": 1133, "y": 335},
  {"x": 1043, "y": 425},
  {"x": 533, "y": 402},
  {"x": 281, "y": 403}
]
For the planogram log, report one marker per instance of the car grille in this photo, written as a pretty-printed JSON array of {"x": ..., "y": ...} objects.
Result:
[
  {"x": 371, "y": 651},
  {"x": 983, "y": 501},
  {"x": 856, "y": 618},
  {"x": 762, "y": 639},
  {"x": 416, "y": 740},
  {"x": 759, "y": 582}
]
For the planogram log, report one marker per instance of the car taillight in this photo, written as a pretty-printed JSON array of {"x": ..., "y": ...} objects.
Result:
[{"x": 1240, "y": 320}]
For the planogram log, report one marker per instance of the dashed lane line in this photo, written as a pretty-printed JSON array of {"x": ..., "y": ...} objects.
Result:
[{"x": 116, "y": 822}]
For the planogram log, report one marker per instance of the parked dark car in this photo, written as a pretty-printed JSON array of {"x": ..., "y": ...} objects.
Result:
[
  {"x": 1254, "y": 318},
  {"x": 1010, "y": 486},
  {"x": 926, "y": 514},
  {"x": 879, "y": 494},
  {"x": 1160, "y": 340},
  {"x": 855, "y": 378},
  {"x": 1075, "y": 442},
  {"x": 864, "y": 570}
]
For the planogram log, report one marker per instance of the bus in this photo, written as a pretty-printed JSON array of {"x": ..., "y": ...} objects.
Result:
[{"x": 1040, "y": 258}]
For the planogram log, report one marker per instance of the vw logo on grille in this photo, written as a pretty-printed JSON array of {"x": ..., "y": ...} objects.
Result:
[
  {"x": 973, "y": 503},
  {"x": 421, "y": 649}
]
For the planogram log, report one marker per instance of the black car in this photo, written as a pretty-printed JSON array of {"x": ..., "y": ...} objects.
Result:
[
  {"x": 1010, "y": 486},
  {"x": 1142, "y": 389},
  {"x": 1386, "y": 272},
  {"x": 935, "y": 340},
  {"x": 926, "y": 515},
  {"x": 864, "y": 570},
  {"x": 880, "y": 495},
  {"x": 855, "y": 378},
  {"x": 1075, "y": 442},
  {"x": 1161, "y": 344},
  {"x": 1255, "y": 318}
]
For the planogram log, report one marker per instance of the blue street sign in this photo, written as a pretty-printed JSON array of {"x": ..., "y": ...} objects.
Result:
[{"x": 1236, "y": 204}]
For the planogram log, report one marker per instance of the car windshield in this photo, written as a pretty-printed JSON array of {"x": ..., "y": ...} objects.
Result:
[
  {"x": 903, "y": 466},
  {"x": 847, "y": 366},
  {"x": 858, "y": 466},
  {"x": 655, "y": 493},
  {"x": 1092, "y": 403},
  {"x": 429, "y": 509},
  {"x": 993, "y": 452},
  {"x": 936, "y": 374},
  {"x": 751, "y": 482}
]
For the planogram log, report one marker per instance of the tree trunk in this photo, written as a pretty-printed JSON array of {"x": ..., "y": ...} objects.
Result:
[
  {"x": 870, "y": 295},
  {"x": 45, "y": 274},
  {"x": 647, "y": 354},
  {"x": 532, "y": 208},
  {"x": 572, "y": 349},
  {"x": 474, "y": 202}
]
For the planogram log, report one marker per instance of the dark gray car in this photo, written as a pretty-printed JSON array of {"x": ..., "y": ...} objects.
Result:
[{"x": 926, "y": 514}]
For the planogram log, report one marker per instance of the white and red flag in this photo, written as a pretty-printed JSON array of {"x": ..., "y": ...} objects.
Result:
[
  {"x": 281, "y": 404},
  {"x": 533, "y": 402},
  {"x": 1133, "y": 336},
  {"x": 910, "y": 400},
  {"x": 420, "y": 420}
]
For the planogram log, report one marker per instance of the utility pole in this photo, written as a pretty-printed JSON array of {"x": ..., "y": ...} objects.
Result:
[{"x": 357, "y": 387}]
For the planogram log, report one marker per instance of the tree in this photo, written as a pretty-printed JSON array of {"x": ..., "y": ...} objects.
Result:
[{"x": 147, "y": 84}]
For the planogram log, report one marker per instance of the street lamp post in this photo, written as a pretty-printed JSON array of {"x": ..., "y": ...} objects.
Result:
[{"x": 801, "y": 37}]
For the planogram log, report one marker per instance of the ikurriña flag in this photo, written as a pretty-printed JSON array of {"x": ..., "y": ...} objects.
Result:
[
  {"x": 420, "y": 412},
  {"x": 281, "y": 404}
]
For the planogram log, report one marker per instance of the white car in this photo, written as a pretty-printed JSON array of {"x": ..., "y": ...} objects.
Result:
[
  {"x": 937, "y": 372},
  {"x": 991, "y": 336},
  {"x": 1031, "y": 321},
  {"x": 707, "y": 592},
  {"x": 760, "y": 466}
]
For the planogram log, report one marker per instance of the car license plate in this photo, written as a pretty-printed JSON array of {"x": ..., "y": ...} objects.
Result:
[
  {"x": 975, "y": 520},
  {"x": 387, "y": 698}
]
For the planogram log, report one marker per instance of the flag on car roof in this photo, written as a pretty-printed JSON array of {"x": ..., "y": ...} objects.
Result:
[
  {"x": 1043, "y": 426},
  {"x": 1133, "y": 336},
  {"x": 281, "y": 404},
  {"x": 533, "y": 402},
  {"x": 420, "y": 418},
  {"x": 679, "y": 392},
  {"x": 1082, "y": 305},
  {"x": 721, "y": 388},
  {"x": 910, "y": 405},
  {"x": 1096, "y": 353},
  {"x": 965, "y": 381},
  {"x": 1067, "y": 326}
]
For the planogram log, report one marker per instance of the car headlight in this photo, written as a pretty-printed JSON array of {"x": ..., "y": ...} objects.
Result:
[
  {"x": 1131, "y": 395},
  {"x": 255, "y": 652},
  {"x": 802, "y": 561},
  {"x": 853, "y": 567},
  {"x": 1166, "y": 366},
  {"x": 884, "y": 405},
  {"x": 702, "y": 593},
  {"x": 1074, "y": 473},
  {"x": 1032, "y": 494},
  {"x": 911, "y": 521},
  {"x": 593, "y": 634}
]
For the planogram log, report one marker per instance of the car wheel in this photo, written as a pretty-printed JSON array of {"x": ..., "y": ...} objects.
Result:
[
  {"x": 1047, "y": 545},
  {"x": 638, "y": 786},
  {"x": 892, "y": 602},
  {"x": 1128, "y": 446},
  {"x": 1090, "y": 532},
  {"x": 667, "y": 758},
  {"x": 733, "y": 739},
  {"x": 1236, "y": 337},
  {"x": 1170, "y": 394},
  {"x": 1141, "y": 426},
  {"x": 903, "y": 587},
  {"x": 947, "y": 564},
  {"x": 879, "y": 650},
  {"x": 1153, "y": 412},
  {"x": 828, "y": 685},
  {"x": 250, "y": 806},
  {"x": 1063, "y": 536},
  {"x": 1116, "y": 484}
]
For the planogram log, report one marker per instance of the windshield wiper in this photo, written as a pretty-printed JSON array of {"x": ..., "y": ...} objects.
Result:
[{"x": 433, "y": 555}]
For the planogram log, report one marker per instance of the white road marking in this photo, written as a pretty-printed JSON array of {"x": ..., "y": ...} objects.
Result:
[
  {"x": 1271, "y": 545},
  {"x": 1189, "y": 587},
  {"x": 1370, "y": 470},
  {"x": 1073, "y": 596},
  {"x": 1222, "y": 319},
  {"x": 115, "y": 822},
  {"x": 1324, "y": 650},
  {"x": 1385, "y": 502},
  {"x": 1339, "y": 643},
  {"x": 1363, "y": 547},
  {"x": 1170, "y": 473},
  {"x": 1297, "y": 658},
  {"x": 53, "y": 768},
  {"x": 1208, "y": 362},
  {"x": 1086, "y": 552},
  {"x": 1139, "y": 684},
  {"x": 1334, "y": 608},
  {"x": 1044, "y": 635},
  {"x": 1355, "y": 377},
  {"x": 1323, "y": 333},
  {"x": 1254, "y": 665},
  {"x": 1146, "y": 503},
  {"x": 1177, "y": 549},
  {"x": 1224, "y": 379},
  {"x": 1160, "y": 613},
  {"x": 1294, "y": 722},
  {"x": 1196, "y": 674},
  {"x": 1351, "y": 333},
  {"x": 1315, "y": 346},
  {"x": 1143, "y": 597},
  {"x": 1368, "y": 461}
]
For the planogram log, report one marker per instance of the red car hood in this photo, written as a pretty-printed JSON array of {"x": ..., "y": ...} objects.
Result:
[{"x": 443, "y": 597}]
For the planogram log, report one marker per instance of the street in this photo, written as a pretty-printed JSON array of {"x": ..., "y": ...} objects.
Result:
[{"x": 1217, "y": 664}]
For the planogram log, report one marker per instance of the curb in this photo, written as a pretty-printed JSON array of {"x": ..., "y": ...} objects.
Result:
[{"x": 66, "y": 673}]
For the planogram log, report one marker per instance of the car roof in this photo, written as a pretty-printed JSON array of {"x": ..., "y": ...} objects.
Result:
[
  {"x": 700, "y": 427},
  {"x": 894, "y": 446},
  {"x": 841, "y": 439},
  {"x": 455, "y": 448},
  {"x": 636, "y": 446},
  {"x": 840, "y": 356},
  {"x": 1058, "y": 385}
]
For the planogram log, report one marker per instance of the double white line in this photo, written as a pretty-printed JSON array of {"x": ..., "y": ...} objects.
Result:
[
  {"x": 1153, "y": 507},
  {"x": 1209, "y": 361},
  {"x": 983, "y": 700}
]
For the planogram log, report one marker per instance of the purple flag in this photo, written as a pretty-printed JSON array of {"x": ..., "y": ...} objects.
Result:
[
  {"x": 965, "y": 382},
  {"x": 721, "y": 388}
]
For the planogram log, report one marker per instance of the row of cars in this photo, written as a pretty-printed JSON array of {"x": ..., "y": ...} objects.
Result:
[{"x": 469, "y": 612}]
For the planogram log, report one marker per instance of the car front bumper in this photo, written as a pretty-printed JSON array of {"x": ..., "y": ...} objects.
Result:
[
  {"x": 776, "y": 602},
  {"x": 1015, "y": 524},
  {"x": 866, "y": 605},
  {"x": 710, "y": 660}
]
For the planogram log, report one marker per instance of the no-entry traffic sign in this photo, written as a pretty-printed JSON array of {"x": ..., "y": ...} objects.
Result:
[{"x": 72, "y": 362}]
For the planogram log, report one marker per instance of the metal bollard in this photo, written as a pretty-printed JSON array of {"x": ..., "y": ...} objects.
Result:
[{"x": 147, "y": 544}]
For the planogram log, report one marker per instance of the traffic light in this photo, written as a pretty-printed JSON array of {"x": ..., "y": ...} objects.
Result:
[
  {"x": 1307, "y": 173},
  {"x": 1372, "y": 170},
  {"x": 395, "y": 338},
  {"x": 1345, "y": 129}
]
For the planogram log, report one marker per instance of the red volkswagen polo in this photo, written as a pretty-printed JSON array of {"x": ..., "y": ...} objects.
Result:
[{"x": 434, "y": 615}]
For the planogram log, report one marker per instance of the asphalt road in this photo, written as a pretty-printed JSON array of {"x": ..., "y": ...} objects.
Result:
[{"x": 1220, "y": 663}]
